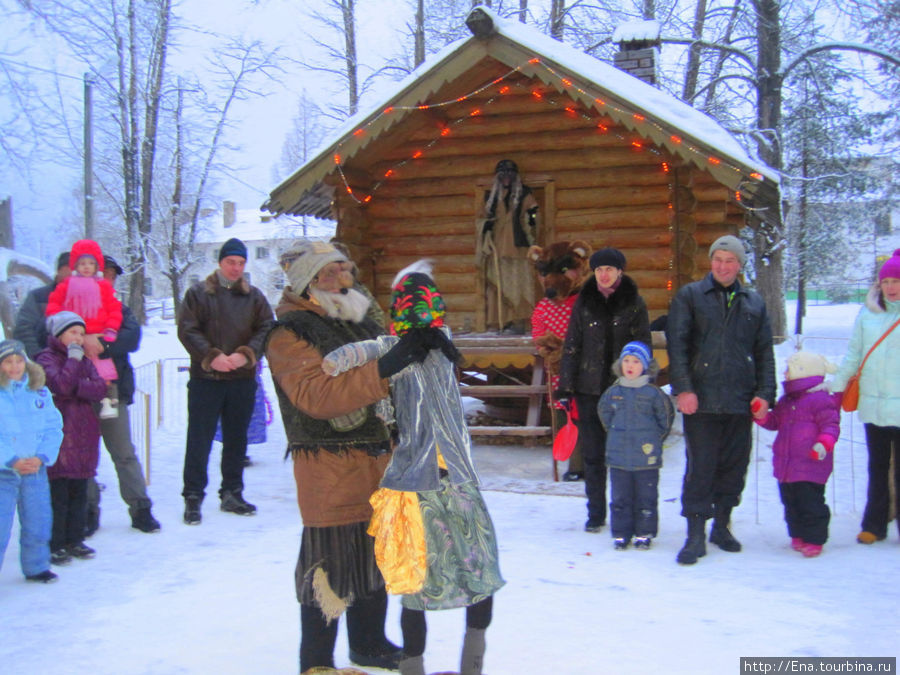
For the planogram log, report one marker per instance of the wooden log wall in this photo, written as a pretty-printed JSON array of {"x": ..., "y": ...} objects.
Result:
[{"x": 605, "y": 185}]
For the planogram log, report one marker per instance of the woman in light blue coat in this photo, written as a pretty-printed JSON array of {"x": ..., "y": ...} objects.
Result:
[
  {"x": 30, "y": 435},
  {"x": 879, "y": 393}
]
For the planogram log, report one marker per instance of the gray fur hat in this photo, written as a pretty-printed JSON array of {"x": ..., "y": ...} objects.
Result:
[
  {"x": 731, "y": 244},
  {"x": 302, "y": 262}
]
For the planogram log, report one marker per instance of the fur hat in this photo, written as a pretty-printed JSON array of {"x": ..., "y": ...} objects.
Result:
[
  {"x": 11, "y": 347},
  {"x": 302, "y": 262},
  {"x": 731, "y": 244},
  {"x": 808, "y": 364},
  {"x": 233, "y": 246},
  {"x": 891, "y": 267},
  {"x": 611, "y": 257},
  {"x": 638, "y": 350},
  {"x": 59, "y": 323}
]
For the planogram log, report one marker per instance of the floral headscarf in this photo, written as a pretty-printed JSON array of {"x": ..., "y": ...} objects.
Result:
[{"x": 416, "y": 303}]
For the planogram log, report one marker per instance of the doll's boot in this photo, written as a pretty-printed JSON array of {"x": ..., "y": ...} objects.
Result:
[
  {"x": 109, "y": 408},
  {"x": 472, "y": 659}
]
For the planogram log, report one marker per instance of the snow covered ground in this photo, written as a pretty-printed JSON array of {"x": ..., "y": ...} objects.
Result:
[{"x": 219, "y": 598}]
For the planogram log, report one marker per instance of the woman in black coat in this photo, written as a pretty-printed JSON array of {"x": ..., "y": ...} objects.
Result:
[{"x": 608, "y": 314}]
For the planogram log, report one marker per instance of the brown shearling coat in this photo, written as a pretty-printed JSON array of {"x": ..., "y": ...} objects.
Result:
[{"x": 333, "y": 488}]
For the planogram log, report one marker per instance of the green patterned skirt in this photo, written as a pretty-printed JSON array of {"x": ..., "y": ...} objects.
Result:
[{"x": 461, "y": 549}]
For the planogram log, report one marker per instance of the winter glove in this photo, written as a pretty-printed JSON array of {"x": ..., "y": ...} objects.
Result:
[
  {"x": 818, "y": 452},
  {"x": 76, "y": 351},
  {"x": 409, "y": 350},
  {"x": 435, "y": 338},
  {"x": 823, "y": 445}
]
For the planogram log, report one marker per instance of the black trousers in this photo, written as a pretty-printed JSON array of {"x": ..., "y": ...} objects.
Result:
[
  {"x": 412, "y": 623},
  {"x": 208, "y": 400},
  {"x": 365, "y": 631},
  {"x": 805, "y": 511},
  {"x": 633, "y": 504},
  {"x": 592, "y": 439},
  {"x": 882, "y": 443},
  {"x": 68, "y": 496},
  {"x": 718, "y": 453}
]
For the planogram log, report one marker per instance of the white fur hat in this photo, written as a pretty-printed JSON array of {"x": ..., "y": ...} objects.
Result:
[{"x": 808, "y": 364}]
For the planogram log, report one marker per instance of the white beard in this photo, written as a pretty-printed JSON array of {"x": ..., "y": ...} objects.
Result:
[{"x": 349, "y": 306}]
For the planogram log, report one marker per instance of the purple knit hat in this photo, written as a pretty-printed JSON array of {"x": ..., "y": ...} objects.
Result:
[{"x": 891, "y": 267}]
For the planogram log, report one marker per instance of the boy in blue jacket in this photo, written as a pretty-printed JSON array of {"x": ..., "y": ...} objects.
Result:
[
  {"x": 637, "y": 417},
  {"x": 29, "y": 442}
]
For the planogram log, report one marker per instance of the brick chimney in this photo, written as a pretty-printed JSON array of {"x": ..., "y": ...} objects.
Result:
[
  {"x": 638, "y": 49},
  {"x": 229, "y": 213}
]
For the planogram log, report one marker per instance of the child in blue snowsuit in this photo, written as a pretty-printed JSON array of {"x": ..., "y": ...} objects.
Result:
[
  {"x": 30, "y": 435},
  {"x": 637, "y": 417}
]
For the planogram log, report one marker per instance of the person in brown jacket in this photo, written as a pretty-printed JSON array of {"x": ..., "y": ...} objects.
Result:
[
  {"x": 340, "y": 449},
  {"x": 222, "y": 323}
]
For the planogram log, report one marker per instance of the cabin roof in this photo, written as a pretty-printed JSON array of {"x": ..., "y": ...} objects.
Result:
[{"x": 642, "y": 108}]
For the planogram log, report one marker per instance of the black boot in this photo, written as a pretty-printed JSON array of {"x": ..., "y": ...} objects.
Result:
[
  {"x": 695, "y": 545},
  {"x": 192, "y": 509},
  {"x": 365, "y": 632},
  {"x": 719, "y": 534}
]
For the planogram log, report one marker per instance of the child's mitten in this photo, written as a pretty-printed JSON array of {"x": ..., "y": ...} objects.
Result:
[{"x": 823, "y": 445}]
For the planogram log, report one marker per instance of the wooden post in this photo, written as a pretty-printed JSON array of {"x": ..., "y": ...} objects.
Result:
[{"x": 7, "y": 238}]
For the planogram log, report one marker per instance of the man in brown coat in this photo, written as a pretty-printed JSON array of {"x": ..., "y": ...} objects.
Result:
[
  {"x": 339, "y": 449},
  {"x": 222, "y": 323}
]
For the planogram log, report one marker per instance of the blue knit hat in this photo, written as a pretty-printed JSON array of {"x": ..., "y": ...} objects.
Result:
[
  {"x": 233, "y": 246},
  {"x": 638, "y": 350}
]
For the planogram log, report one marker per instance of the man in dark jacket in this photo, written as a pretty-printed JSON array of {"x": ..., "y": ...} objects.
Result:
[
  {"x": 31, "y": 330},
  {"x": 722, "y": 370},
  {"x": 222, "y": 323}
]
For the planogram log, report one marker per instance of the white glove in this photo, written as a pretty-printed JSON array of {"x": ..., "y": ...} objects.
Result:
[
  {"x": 75, "y": 351},
  {"x": 818, "y": 452}
]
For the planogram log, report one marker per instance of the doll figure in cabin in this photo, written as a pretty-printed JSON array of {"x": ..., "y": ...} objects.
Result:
[
  {"x": 434, "y": 539},
  {"x": 508, "y": 226},
  {"x": 808, "y": 420}
]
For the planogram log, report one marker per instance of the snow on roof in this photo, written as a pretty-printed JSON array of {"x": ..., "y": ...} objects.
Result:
[
  {"x": 661, "y": 105},
  {"x": 10, "y": 259},
  {"x": 249, "y": 225},
  {"x": 632, "y": 31}
]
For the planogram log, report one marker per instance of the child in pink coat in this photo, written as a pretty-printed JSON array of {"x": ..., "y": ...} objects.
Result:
[
  {"x": 92, "y": 298},
  {"x": 808, "y": 421}
]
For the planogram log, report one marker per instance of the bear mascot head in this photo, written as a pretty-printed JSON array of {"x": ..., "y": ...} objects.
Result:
[{"x": 562, "y": 268}]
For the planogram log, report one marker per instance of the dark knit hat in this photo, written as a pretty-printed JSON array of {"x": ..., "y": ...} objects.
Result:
[
  {"x": 731, "y": 244},
  {"x": 111, "y": 264},
  {"x": 891, "y": 267},
  {"x": 506, "y": 165},
  {"x": 63, "y": 260},
  {"x": 59, "y": 323},
  {"x": 638, "y": 350},
  {"x": 10, "y": 347},
  {"x": 611, "y": 257},
  {"x": 233, "y": 246}
]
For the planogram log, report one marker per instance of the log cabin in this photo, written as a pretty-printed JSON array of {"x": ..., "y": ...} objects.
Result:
[{"x": 611, "y": 160}]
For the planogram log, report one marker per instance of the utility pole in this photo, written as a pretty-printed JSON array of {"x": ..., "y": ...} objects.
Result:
[{"x": 88, "y": 158}]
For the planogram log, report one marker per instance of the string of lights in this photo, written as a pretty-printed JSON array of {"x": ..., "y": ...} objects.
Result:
[{"x": 603, "y": 107}]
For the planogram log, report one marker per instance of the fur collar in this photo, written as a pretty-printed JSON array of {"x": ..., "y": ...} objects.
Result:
[
  {"x": 212, "y": 283},
  {"x": 34, "y": 375},
  {"x": 625, "y": 294}
]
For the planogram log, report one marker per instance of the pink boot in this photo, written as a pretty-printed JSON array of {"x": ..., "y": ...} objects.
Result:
[
  {"x": 811, "y": 550},
  {"x": 797, "y": 543}
]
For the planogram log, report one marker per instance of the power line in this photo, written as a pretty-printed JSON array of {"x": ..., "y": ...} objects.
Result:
[{"x": 43, "y": 70}]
